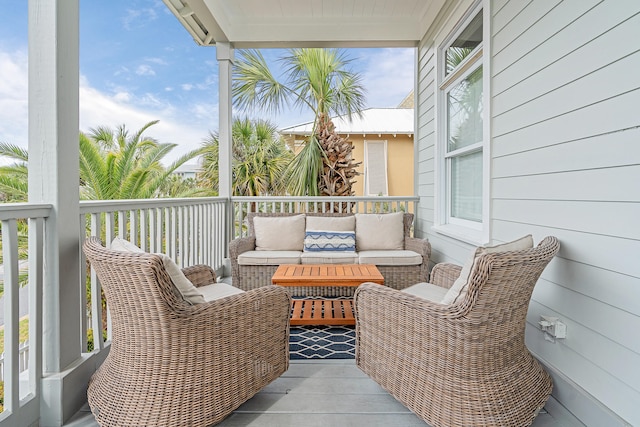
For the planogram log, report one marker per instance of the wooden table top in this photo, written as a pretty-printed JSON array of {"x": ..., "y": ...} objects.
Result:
[{"x": 326, "y": 275}]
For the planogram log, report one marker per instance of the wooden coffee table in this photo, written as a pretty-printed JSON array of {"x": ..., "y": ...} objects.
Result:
[{"x": 324, "y": 312}]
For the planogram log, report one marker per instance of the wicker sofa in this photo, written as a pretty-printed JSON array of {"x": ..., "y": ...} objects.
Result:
[{"x": 401, "y": 267}]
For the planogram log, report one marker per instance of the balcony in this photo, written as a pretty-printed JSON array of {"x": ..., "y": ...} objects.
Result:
[
  {"x": 561, "y": 159},
  {"x": 192, "y": 231}
]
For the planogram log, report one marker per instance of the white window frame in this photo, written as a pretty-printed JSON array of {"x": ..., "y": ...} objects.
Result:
[
  {"x": 461, "y": 229},
  {"x": 367, "y": 174}
]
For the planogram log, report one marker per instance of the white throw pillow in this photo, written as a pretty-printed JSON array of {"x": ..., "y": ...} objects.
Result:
[
  {"x": 122, "y": 245},
  {"x": 279, "y": 233},
  {"x": 189, "y": 292},
  {"x": 379, "y": 231},
  {"x": 458, "y": 290},
  {"x": 328, "y": 223}
]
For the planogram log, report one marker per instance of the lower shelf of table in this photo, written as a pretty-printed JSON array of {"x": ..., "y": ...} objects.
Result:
[{"x": 322, "y": 312}]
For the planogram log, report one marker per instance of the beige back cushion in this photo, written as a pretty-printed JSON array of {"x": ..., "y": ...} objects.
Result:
[
  {"x": 458, "y": 290},
  {"x": 327, "y": 223},
  {"x": 189, "y": 292},
  {"x": 283, "y": 233},
  {"x": 379, "y": 231}
]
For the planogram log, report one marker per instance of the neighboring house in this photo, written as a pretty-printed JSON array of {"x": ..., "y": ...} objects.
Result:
[
  {"x": 188, "y": 170},
  {"x": 382, "y": 140}
]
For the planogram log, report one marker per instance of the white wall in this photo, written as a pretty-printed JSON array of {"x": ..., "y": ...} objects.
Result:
[{"x": 565, "y": 161}]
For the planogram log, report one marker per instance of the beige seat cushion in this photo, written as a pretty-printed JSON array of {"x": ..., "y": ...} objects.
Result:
[
  {"x": 398, "y": 257},
  {"x": 458, "y": 290},
  {"x": 376, "y": 232},
  {"x": 329, "y": 258},
  {"x": 279, "y": 233},
  {"x": 189, "y": 292},
  {"x": 269, "y": 257},
  {"x": 325, "y": 223},
  {"x": 427, "y": 291},
  {"x": 218, "y": 290}
]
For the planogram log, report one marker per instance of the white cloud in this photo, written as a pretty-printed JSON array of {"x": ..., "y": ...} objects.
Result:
[
  {"x": 138, "y": 17},
  {"x": 101, "y": 109},
  {"x": 388, "y": 76},
  {"x": 186, "y": 86},
  {"x": 158, "y": 61},
  {"x": 145, "y": 70},
  {"x": 122, "y": 96},
  {"x": 13, "y": 98}
]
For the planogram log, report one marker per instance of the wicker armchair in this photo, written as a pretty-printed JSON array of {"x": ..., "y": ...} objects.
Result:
[
  {"x": 464, "y": 364},
  {"x": 176, "y": 364}
]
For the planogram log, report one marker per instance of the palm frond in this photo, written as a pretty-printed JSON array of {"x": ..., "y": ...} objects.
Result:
[{"x": 254, "y": 87}]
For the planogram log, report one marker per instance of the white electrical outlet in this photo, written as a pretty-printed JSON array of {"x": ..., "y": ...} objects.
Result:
[{"x": 553, "y": 327}]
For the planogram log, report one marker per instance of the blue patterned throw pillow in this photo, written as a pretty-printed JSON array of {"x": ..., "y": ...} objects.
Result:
[{"x": 330, "y": 241}]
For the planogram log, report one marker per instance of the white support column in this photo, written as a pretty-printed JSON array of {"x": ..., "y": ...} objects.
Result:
[
  {"x": 224, "y": 54},
  {"x": 54, "y": 178}
]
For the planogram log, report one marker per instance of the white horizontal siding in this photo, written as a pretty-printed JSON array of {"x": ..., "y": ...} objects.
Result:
[
  {"x": 566, "y": 162},
  {"x": 425, "y": 138},
  {"x": 605, "y": 151}
]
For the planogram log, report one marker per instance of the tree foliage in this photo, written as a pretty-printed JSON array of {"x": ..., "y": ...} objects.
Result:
[
  {"x": 315, "y": 79},
  {"x": 259, "y": 159}
]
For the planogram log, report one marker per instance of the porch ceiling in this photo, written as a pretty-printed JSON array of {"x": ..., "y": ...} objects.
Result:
[{"x": 307, "y": 23}]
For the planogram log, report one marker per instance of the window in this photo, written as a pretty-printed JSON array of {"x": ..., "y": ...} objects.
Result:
[
  {"x": 375, "y": 168},
  {"x": 461, "y": 136}
]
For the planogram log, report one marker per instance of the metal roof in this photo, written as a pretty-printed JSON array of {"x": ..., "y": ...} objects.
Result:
[{"x": 373, "y": 121}]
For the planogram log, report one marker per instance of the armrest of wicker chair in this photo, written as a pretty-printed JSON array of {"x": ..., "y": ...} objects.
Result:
[
  {"x": 248, "y": 331},
  {"x": 200, "y": 275},
  {"x": 241, "y": 245},
  {"x": 237, "y": 247},
  {"x": 422, "y": 247},
  {"x": 444, "y": 274}
]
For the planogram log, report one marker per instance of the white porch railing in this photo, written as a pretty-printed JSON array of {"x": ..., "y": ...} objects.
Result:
[
  {"x": 23, "y": 359},
  {"x": 20, "y": 222},
  {"x": 192, "y": 231}
]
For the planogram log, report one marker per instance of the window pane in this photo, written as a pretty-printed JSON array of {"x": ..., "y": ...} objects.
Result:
[
  {"x": 466, "y": 187},
  {"x": 464, "y": 112},
  {"x": 468, "y": 40}
]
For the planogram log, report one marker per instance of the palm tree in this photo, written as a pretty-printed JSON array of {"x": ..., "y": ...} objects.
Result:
[
  {"x": 259, "y": 159},
  {"x": 113, "y": 165},
  {"x": 317, "y": 79},
  {"x": 117, "y": 165},
  {"x": 13, "y": 178}
]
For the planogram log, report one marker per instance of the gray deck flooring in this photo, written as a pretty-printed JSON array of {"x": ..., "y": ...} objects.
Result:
[{"x": 323, "y": 393}]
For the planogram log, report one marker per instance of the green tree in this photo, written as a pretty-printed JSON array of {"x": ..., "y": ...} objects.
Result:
[
  {"x": 316, "y": 79},
  {"x": 114, "y": 164},
  {"x": 117, "y": 165},
  {"x": 259, "y": 159},
  {"x": 13, "y": 178}
]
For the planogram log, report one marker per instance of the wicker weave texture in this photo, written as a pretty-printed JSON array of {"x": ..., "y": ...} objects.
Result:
[
  {"x": 175, "y": 364},
  {"x": 464, "y": 364},
  {"x": 397, "y": 277}
]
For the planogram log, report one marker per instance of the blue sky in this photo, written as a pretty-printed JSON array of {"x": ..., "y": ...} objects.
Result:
[{"x": 137, "y": 64}]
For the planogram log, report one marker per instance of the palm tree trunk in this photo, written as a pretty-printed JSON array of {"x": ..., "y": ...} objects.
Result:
[{"x": 339, "y": 168}]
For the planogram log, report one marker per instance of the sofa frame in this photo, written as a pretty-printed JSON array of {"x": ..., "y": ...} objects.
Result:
[{"x": 248, "y": 277}]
